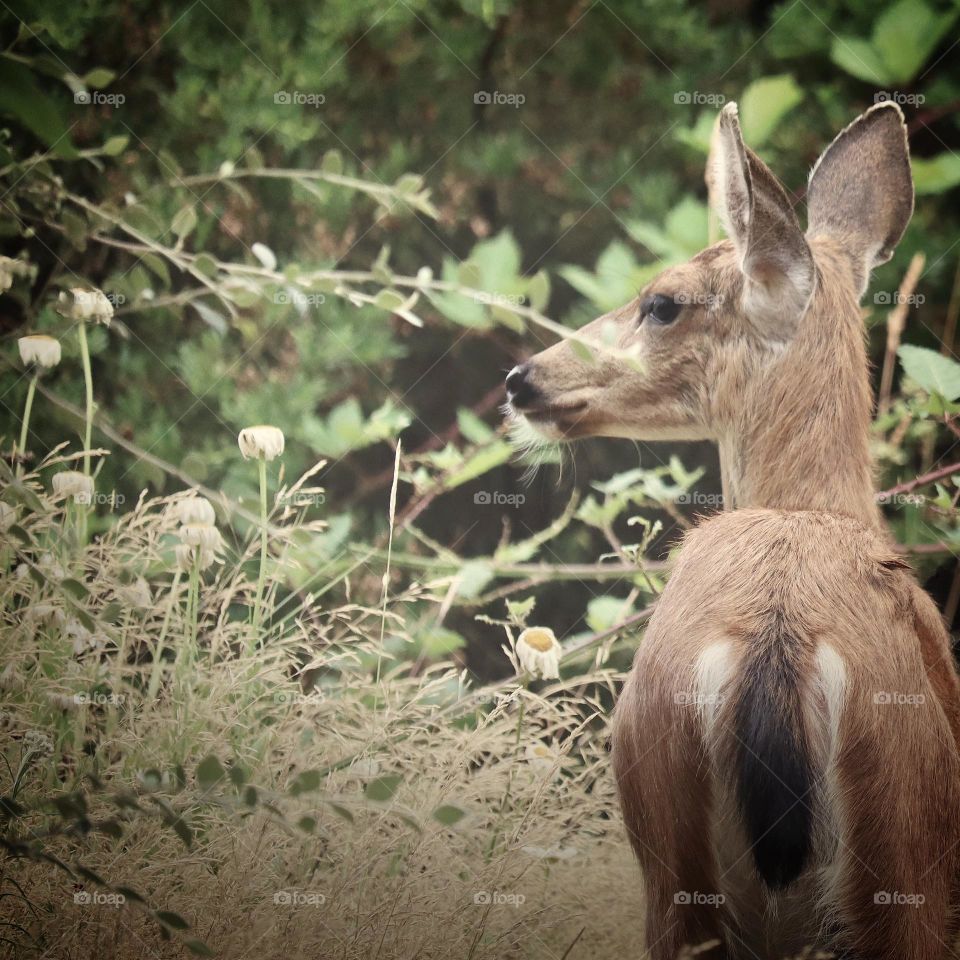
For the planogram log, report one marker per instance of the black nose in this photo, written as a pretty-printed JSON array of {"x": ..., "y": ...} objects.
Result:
[{"x": 520, "y": 391}]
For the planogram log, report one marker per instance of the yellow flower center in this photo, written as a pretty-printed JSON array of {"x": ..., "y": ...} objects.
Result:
[{"x": 539, "y": 639}]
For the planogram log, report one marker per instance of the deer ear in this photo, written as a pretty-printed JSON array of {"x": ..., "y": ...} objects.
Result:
[
  {"x": 753, "y": 207},
  {"x": 861, "y": 190}
]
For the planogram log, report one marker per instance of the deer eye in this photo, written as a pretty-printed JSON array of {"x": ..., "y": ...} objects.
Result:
[{"x": 660, "y": 308}]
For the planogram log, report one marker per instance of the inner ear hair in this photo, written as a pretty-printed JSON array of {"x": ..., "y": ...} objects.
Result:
[
  {"x": 759, "y": 218},
  {"x": 861, "y": 188}
]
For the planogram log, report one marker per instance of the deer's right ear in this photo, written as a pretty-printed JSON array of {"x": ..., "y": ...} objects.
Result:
[
  {"x": 757, "y": 215},
  {"x": 861, "y": 191}
]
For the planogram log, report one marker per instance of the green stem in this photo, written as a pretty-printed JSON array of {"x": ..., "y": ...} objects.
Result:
[
  {"x": 157, "y": 671},
  {"x": 262, "y": 578},
  {"x": 25, "y": 428},
  {"x": 88, "y": 384}
]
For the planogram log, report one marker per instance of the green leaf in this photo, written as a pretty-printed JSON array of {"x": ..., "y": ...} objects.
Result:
[
  {"x": 172, "y": 919},
  {"x": 906, "y": 34},
  {"x": 75, "y": 588},
  {"x": 382, "y": 789},
  {"x": 764, "y": 104},
  {"x": 185, "y": 221},
  {"x": 210, "y": 772},
  {"x": 308, "y": 780},
  {"x": 115, "y": 145},
  {"x": 22, "y": 98},
  {"x": 98, "y": 78},
  {"x": 860, "y": 60},
  {"x": 342, "y": 812},
  {"x": 439, "y": 642},
  {"x": 448, "y": 815},
  {"x": 198, "y": 947},
  {"x": 332, "y": 162},
  {"x": 932, "y": 371},
  {"x": 538, "y": 290},
  {"x": 936, "y": 174}
]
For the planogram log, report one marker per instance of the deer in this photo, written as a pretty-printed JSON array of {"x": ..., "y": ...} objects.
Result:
[{"x": 785, "y": 747}]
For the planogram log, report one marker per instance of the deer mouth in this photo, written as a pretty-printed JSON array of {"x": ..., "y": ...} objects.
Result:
[{"x": 556, "y": 419}]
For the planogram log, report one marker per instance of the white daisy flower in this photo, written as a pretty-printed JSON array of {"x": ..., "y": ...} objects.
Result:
[
  {"x": 539, "y": 652},
  {"x": 262, "y": 441}
]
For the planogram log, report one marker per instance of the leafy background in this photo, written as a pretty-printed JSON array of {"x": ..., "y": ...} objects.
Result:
[{"x": 349, "y": 220}]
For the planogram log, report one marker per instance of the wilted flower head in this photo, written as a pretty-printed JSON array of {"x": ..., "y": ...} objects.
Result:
[
  {"x": 539, "y": 652},
  {"x": 263, "y": 441},
  {"x": 8, "y": 516},
  {"x": 36, "y": 742},
  {"x": 44, "y": 613},
  {"x": 10, "y": 268},
  {"x": 204, "y": 535},
  {"x": 39, "y": 349},
  {"x": 79, "y": 303},
  {"x": 72, "y": 483},
  {"x": 137, "y": 594},
  {"x": 83, "y": 640},
  {"x": 194, "y": 510},
  {"x": 187, "y": 553}
]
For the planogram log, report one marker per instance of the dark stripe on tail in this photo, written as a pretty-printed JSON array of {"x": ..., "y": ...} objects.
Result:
[{"x": 772, "y": 759}]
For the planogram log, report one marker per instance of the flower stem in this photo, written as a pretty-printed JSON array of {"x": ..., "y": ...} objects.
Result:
[
  {"x": 261, "y": 580},
  {"x": 88, "y": 384},
  {"x": 25, "y": 428},
  {"x": 154, "y": 685}
]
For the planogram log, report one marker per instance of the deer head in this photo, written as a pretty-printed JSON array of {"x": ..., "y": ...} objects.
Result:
[{"x": 757, "y": 341}]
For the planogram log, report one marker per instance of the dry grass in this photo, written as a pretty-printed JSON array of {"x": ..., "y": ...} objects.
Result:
[{"x": 339, "y": 869}]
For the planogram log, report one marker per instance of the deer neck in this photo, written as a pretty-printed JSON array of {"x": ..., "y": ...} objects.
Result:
[{"x": 800, "y": 439}]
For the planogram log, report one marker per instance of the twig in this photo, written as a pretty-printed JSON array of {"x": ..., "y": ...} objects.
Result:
[
  {"x": 909, "y": 485},
  {"x": 896, "y": 321}
]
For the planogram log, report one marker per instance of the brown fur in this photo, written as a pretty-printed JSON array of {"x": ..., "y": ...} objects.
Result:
[{"x": 795, "y": 592}]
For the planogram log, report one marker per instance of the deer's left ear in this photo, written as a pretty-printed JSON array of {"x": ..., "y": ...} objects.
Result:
[{"x": 754, "y": 209}]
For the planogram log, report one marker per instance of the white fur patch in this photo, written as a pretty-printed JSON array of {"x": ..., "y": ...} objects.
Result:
[
  {"x": 713, "y": 671},
  {"x": 832, "y": 675}
]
